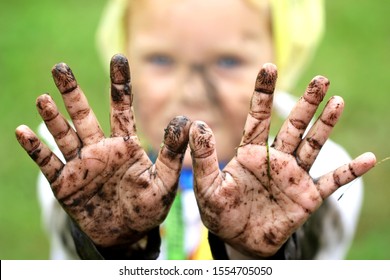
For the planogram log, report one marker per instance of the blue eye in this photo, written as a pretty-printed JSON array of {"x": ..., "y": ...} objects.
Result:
[
  {"x": 160, "y": 60},
  {"x": 228, "y": 62}
]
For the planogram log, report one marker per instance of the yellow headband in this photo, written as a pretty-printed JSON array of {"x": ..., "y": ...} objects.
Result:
[{"x": 298, "y": 26}]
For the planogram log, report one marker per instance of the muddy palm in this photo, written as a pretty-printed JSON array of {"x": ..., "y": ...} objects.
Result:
[
  {"x": 265, "y": 192},
  {"x": 108, "y": 185}
]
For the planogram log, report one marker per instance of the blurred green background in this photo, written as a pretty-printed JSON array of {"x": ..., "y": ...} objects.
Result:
[{"x": 34, "y": 35}]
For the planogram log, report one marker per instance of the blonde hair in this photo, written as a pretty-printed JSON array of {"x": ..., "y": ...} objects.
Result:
[{"x": 297, "y": 26}]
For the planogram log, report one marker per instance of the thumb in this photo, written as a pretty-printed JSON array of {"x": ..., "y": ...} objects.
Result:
[
  {"x": 204, "y": 157},
  {"x": 170, "y": 157}
]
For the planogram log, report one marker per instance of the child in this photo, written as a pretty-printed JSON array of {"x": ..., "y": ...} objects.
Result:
[{"x": 199, "y": 59}]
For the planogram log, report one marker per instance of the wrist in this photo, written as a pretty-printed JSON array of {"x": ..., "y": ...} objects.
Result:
[
  {"x": 290, "y": 250},
  {"x": 148, "y": 247}
]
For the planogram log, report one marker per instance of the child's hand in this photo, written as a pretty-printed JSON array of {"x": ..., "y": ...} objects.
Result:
[
  {"x": 264, "y": 194},
  {"x": 108, "y": 186}
]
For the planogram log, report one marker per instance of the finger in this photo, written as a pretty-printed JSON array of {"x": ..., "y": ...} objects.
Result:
[
  {"x": 76, "y": 103},
  {"x": 122, "y": 116},
  {"x": 50, "y": 165},
  {"x": 66, "y": 138},
  {"x": 331, "y": 181},
  {"x": 170, "y": 158},
  {"x": 258, "y": 120},
  {"x": 293, "y": 128},
  {"x": 204, "y": 158},
  {"x": 311, "y": 145}
]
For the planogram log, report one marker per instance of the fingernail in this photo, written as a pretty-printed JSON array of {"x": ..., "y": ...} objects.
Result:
[{"x": 64, "y": 78}]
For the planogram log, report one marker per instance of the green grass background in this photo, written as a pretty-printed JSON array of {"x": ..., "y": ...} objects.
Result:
[{"x": 34, "y": 35}]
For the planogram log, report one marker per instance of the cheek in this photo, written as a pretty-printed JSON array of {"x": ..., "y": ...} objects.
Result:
[
  {"x": 235, "y": 96},
  {"x": 236, "y": 101},
  {"x": 149, "y": 97}
]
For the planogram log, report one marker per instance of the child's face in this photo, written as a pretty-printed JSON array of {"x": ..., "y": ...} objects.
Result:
[{"x": 197, "y": 58}]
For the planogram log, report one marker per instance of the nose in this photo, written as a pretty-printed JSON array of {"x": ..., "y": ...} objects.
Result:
[{"x": 198, "y": 88}]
